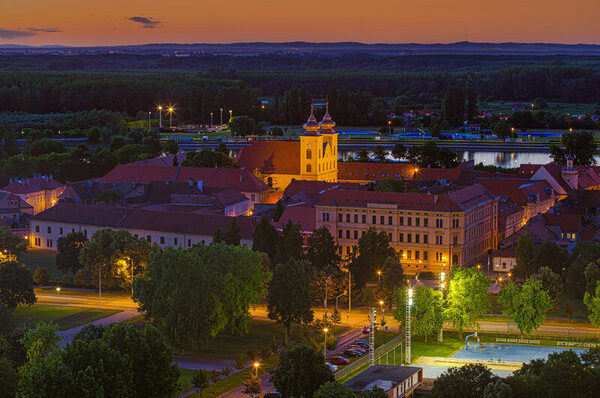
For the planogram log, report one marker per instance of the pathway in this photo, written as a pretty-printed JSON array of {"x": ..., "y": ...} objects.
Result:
[{"x": 67, "y": 335}]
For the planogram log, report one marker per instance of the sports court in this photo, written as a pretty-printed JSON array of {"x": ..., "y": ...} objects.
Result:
[{"x": 508, "y": 352}]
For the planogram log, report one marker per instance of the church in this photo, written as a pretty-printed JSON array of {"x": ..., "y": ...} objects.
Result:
[{"x": 313, "y": 158}]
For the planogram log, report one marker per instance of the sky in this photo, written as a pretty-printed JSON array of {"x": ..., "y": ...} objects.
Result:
[{"x": 116, "y": 22}]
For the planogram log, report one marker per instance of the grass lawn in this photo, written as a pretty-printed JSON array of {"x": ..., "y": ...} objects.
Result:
[
  {"x": 34, "y": 258},
  {"x": 64, "y": 317}
]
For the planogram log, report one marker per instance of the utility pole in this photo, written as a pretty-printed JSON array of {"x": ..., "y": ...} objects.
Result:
[
  {"x": 407, "y": 331},
  {"x": 442, "y": 285},
  {"x": 221, "y": 116},
  {"x": 149, "y": 122},
  {"x": 160, "y": 116},
  {"x": 373, "y": 320}
]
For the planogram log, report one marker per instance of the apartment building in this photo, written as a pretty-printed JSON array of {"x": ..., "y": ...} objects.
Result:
[
  {"x": 41, "y": 192},
  {"x": 430, "y": 232},
  {"x": 165, "y": 228}
]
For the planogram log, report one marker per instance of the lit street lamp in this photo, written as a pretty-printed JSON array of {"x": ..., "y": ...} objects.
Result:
[
  {"x": 325, "y": 330},
  {"x": 171, "y": 116},
  {"x": 230, "y": 115},
  {"x": 407, "y": 331},
  {"x": 58, "y": 290},
  {"x": 442, "y": 286},
  {"x": 159, "y": 116},
  {"x": 379, "y": 278},
  {"x": 221, "y": 109},
  {"x": 256, "y": 365},
  {"x": 211, "y": 119},
  {"x": 149, "y": 122}
]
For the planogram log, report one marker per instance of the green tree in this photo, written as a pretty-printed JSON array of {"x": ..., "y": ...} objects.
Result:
[
  {"x": 375, "y": 392},
  {"x": 171, "y": 147},
  {"x": 497, "y": 389},
  {"x": 69, "y": 247},
  {"x": 426, "y": 312},
  {"x": 290, "y": 297},
  {"x": 334, "y": 389},
  {"x": 399, "y": 151},
  {"x": 232, "y": 235},
  {"x": 592, "y": 302},
  {"x": 41, "y": 276},
  {"x": 11, "y": 243},
  {"x": 468, "y": 298},
  {"x": 502, "y": 129},
  {"x": 380, "y": 153},
  {"x": 525, "y": 253},
  {"x": 300, "y": 372},
  {"x": 16, "y": 285},
  {"x": 468, "y": 381},
  {"x": 230, "y": 279},
  {"x": 322, "y": 252},
  {"x": 392, "y": 277},
  {"x": 200, "y": 380},
  {"x": 526, "y": 304},
  {"x": 252, "y": 386},
  {"x": 551, "y": 283},
  {"x": 592, "y": 276},
  {"x": 373, "y": 250},
  {"x": 265, "y": 238},
  {"x": 9, "y": 379},
  {"x": 453, "y": 106},
  {"x": 242, "y": 125},
  {"x": 290, "y": 245}
]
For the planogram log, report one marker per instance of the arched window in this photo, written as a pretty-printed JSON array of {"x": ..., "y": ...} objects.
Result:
[
  {"x": 308, "y": 154},
  {"x": 308, "y": 168},
  {"x": 270, "y": 182}
]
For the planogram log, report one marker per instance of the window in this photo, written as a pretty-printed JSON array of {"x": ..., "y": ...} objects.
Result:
[
  {"x": 408, "y": 238},
  {"x": 189, "y": 243},
  {"x": 347, "y": 217},
  {"x": 355, "y": 234},
  {"x": 174, "y": 241},
  {"x": 348, "y": 250},
  {"x": 61, "y": 230},
  {"x": 49, "y": 242},
  {"x": 356, "y": 218},
  {"x": 340, "y": 234},
  {"x": 347, "y": 234},
  {"x": 401, "y": 221},
  {"x": 364, "y": 219},
  {"x": 49, "y": 230},
  {"x": 455, "y": 240},
  {"x": 408, "y": 254},
  {"x": 425, "y": 256},
  {"x": 401, "y": 237},
  {"x": 417, "y": 222},
  {"x": 390, "y": 220},
  {"x": 325, "y": 216},
  {"x": 382, "y": 220},
  {"x": 416, "y": 254},
  {"x": 455, "y": 223},
  {"x": 162, "y": 240},
  {"x": 252, "y": 197},
  {"x": 425, "y": 238},
  {"x": 308, "y": 154},
  {"x": 409, "y": 221},
  {"x": 37, "y": 241},
  {"x": 37, "y": 228},
  {"x": 417, "y": 238},
  {"x": 270, "y": 181},
  {"x": 149, "y": 238},
  {"x": 439, "y": 223},
  {"x": 308, "y": 168},
  {"x": 439, "y": 240},
  {"x": 426, "y": 222},
  {"x": 340, "y": 217},
  {"x": 374, "y": 219}
]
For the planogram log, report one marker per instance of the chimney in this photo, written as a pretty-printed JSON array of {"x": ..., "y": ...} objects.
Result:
[
  {"x": 168, "y": 181},
  {"x": 200, "y": 186},
  {"x": 191, "y": 182},
  {"x": 435, "y": 198}
]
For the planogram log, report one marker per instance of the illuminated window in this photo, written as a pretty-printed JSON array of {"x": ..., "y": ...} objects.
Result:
[
  {"x": 308, "y": 168},
  {"x": 308, "y": 154}
]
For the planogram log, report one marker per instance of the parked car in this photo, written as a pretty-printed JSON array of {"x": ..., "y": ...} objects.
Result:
[
  {"x": 352, "y": 353},
  {"x": 272, "y": 394},
  {"x": 331, "y": 366},
  {"x": 361, "y": 343},
  {"x": 365, "y": 330},
  {"x": 339, "y": 360},
  {"x": 358, "y": 348}
]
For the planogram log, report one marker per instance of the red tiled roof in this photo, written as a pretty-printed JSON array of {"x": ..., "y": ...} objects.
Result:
[
  {"x": 30, "y": 185},
  {"x": 243, "y": 180},
  {"x": 271, "y": 157},
  {"x": 144, "y": 219},
  {"x": 568, "y": 222},
  {"x": 303, "y": 215},
  {"x": 509, "y": 252},
  {"x": 374, "y": 171},
  {"x": 316, "y": 188},
  {"x": 516, "y": 190},
  {"x": 161, "y": 160},
  {"x": 6, "y": 196}
]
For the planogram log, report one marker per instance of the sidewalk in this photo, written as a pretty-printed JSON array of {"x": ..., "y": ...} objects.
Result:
[{"x": 67, "y": 335}]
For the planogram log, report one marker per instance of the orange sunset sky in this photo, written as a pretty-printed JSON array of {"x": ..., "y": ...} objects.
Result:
[{"x": 109, "y": 22}]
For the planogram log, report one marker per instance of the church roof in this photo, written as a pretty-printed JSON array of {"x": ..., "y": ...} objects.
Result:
[{"x": 271, "y": 157}]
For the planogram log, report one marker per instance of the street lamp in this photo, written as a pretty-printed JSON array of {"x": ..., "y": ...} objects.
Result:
[
  {"x": 58, "y": 290},
  {"x": 171, "y": 109},
  {"x": 478, "y": 267},
  {"x": 442, "y": 286},
  {"x": 509, "y": 275},
  {"x": 230, "y": 115},
  {"x": 129, "y": 259},
  {"x": 159, "y": 115},
  {"x": 381, "y": 305},
  {"x": 221, "y": 109},
  {"x": 211, "y": 119},
  {"x": 325, "y": 330},
  {"x": 149, "y": 122},
  {"x": 256, "y": 365},
  {"x": 390, "y": 126},
  {"x": 379, "y": 278},
  {"x": 407, "y": 331}
]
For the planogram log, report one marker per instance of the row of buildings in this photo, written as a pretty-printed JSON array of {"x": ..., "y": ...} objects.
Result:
[{"x": 445, "y": 217}]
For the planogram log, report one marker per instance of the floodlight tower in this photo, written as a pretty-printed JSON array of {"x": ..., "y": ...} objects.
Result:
[
  {"x": 407, "y": 331},
  {"x": 373, "y": 321}
]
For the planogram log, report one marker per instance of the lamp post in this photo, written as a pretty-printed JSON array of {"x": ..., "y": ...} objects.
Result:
[
  {"x": 149, "y": 122},
  {"x": 159, "y": 116},
  {"x": 171, "y": 116},
  {"x": 325, "y": 330},
  {"x": 58, "y": 290},
  {"x": 211, "y": 120},
  {"x": 442, "y": 286},
  {"x": 379, "y": 278},
  {"x": 256, "y": 365},
  {"x": 390, "y": 126},
  {"x": 230, "y": 115},
  {"x": 382, "y": 314},
  {"x": 337, "y": 298},
  {"x": 407, "y": 331},
  {"x": 221, "y": 109},
  {"x": 325, "y": 301}
]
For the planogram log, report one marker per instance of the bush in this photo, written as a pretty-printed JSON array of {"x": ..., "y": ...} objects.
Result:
[
  {"x": 65, "y": 280},
  {"x": 82, "y": 278},
  {"x": 240, "y": 362},
  {"x": 41, "y": 276}
]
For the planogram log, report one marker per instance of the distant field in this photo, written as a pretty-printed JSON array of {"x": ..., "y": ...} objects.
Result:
[
  {"x": 34, "y": 258},
  {"x": 64, "y": 317}
]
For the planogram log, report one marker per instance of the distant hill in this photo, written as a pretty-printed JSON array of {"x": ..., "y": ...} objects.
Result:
[{"x": 299, "y": 48}]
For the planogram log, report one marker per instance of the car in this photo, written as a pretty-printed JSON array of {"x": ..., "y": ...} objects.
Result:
[
  {"x": 361, "y": 341},
  {"x": 331, "y": 366},
  {"x": 339, "y": 360},
  {"x": 365, "y": 330},
  {"x": 361, "y": 344},
  {"x": 272, "y": 394},
  {"x": 352, "y": 353},
  {"x": 358, "y": 348}
]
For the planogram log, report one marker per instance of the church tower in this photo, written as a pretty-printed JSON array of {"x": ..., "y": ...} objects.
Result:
[{"x": 318, "y": 149}]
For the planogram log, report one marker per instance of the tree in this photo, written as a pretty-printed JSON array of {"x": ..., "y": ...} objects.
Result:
[
  {"x": 399, "y": 151},
  {"x": 230, "y": 279},
  {"x": 392, "y": 277},
  {"x": 429, "y": 155},
  {"x": 502, "y": 129},
  {"x": 252, "y": 386},
  {"x": 426, "y": 313},
  {"x": 380, "y": 153},
  {"x": 200, "y": 380},
  {"x": 171, "y": 147},
  {"x": 468, "y": 381},
  {"x": 300, "y": 372},
  {"x": 334, "y": 389},
  {"x": 232, "y": 235},
  {"x": 8, "y": 379},
  {"x": 471, "y": 103},
  {"x": 497, "y": 389},
  {"x": 373, "y": 250},
  {"x": 592, "y": 302},
  {"x": 290, "y": 298},
  {"x": 69, "y": 247},
  {"x": 16, "y": 285},
  {"x": 322, "y": 251},
  {"x": 551, "y": 283},
  {"x": 525, "y": 252},
  {"x": 468, "y": 298},
  {"x": 526, "y": 304},
  {"x": 242, "y": 125},
  {"x": 290, "y": 245},
  {"x": 580, "y": 145},
  {"x": 11, "y": 243},
  {"x": 453, "y": 106},
  {"x": 41, "y": 276},
  {"x": 265, "y": 238},
  {"x": 592, "y": 276}
]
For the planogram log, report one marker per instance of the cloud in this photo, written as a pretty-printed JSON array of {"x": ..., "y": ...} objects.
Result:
[
  {"x": 45, "y": 30},
  {"x": 15, "y": 34},
  {"x": 146, "y": 23}
]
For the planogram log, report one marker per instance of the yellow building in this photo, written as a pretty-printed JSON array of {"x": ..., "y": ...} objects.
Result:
[
  {"x": 313, "y": 158},
  {"x": 41, "y": 192}
]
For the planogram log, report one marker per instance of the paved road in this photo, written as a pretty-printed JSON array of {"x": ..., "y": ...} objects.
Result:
[{"x": 67, "y": 335}]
